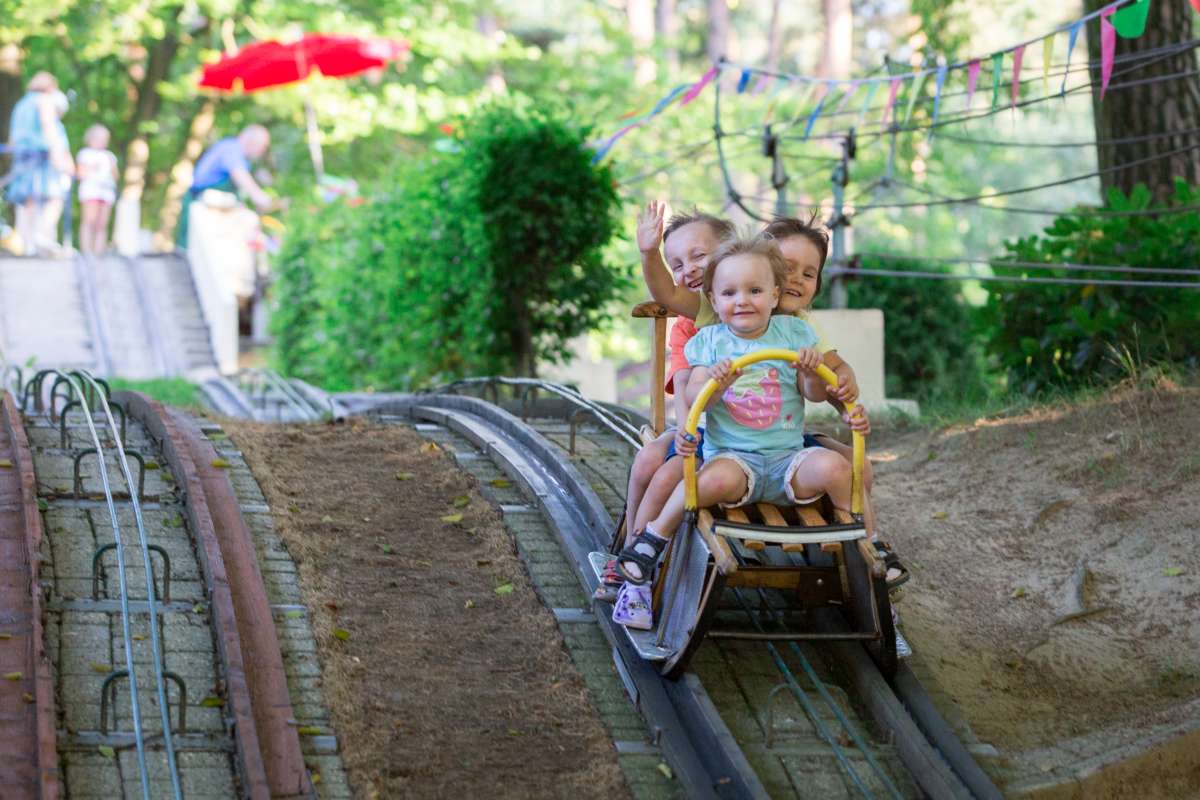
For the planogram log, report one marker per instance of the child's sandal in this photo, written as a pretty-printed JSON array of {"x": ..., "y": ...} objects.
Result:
[
  {"x": 645, "y": 561},
  {"x": 892, "y": 564}
]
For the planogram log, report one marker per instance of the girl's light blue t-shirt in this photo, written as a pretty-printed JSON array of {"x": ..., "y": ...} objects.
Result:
[{"x": 762, "y": 411}]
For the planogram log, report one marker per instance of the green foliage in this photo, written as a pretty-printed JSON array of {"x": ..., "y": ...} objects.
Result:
[
  {"x": 168, "y": 391},
  {"x": 929, "y": 347},
  {"x": 483, "y": 260},
  {"x": 1073, "y": 335}
]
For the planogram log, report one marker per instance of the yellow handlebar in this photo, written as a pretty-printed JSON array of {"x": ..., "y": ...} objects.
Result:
[{"x": 693, "y": 422}]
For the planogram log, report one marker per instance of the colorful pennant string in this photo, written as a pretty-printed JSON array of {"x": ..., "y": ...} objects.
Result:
[
  {"x": 997, "y": 65},
  {"x": 872, "y": 88},
  {"x": 1047, "y": 55},
  {"x": 1018, "y": 57},
  {"x": 695, "y": 91},
  {"x": 852, "y": 88},
  {"x": 914, "y": 91},
  {"x": 743, "y": 80},
  {"x": 1130, "y": 21},
  {"x": 1072, "y": 35},
  {"x": 812, "y": 118},
  {"x": 893, "y": 90},
  {"x": 1108, "y": 49},
  {"x": 938, "y": 83},
  {"x": 972, "y": 78}
]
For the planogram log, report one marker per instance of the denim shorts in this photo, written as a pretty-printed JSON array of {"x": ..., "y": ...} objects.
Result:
[
  {"x": 768, "y": 475},
  {"x": 699, "y": 446}
]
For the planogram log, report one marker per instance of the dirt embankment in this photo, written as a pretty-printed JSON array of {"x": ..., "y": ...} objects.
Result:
[
  {"x": 1056, "y": 562},
  {"x": 444, "y": 673}
]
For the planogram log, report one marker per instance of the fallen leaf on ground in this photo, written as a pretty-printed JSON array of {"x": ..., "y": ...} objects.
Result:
[
  {"x": 469, "y": 604},
  {"x": 28, "y": 698},
  {"x": 5, "y": 463},
  {"x": 309, "y": 730},
  {"x": 327, "y": 519},
  {"x": 151, "y": 465},
  {"x": 462, "y": 501},
  {"x": 294, "y": 614},
  {"x": 452, "y": 518},
  {"x": 106, "y": 751},
  {"x": 1172, "y": 572},
  {"x": 941, "y": 514},
  {"x": 341, "y": 633},
  {"x": 404, "y": 476},
  {"x": 429, "y": 447},
  {"x": 102, "y": 669},
  {"x": 665, "y": 770},
  {"x": 1018, "y": 592},
  {"x": 503, "y": 589},
  {"x": 221, "y": 463},
  {"x": 5, "y": 636},
  {"x": 212, "y": 701},
  {"x": 139, "y": 637},
  {"x": 500, "y": 483},
  {"x": 13, "y": 676}
]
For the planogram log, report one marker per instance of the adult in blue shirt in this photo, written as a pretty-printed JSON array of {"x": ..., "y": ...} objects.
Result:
[{"x": 226, "y": 166}]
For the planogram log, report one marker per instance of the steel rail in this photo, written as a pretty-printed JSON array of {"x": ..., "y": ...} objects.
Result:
[
  {"x": 143, "y": 541},
  {"x": 616, "y": 424},
  {"x": 272, "y": 380},
  {"x": 127, "y": 633}
]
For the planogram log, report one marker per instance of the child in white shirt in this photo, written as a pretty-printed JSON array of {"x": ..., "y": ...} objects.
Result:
[{"x": 97, "y": 169}]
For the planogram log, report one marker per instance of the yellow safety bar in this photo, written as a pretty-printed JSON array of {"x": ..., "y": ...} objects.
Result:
[{"x": 693, "y": 422}]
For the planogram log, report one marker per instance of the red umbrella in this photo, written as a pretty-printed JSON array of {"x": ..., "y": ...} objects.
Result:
[
  {"x": 266, "y": 64},
  {"x": 263, "y": 65}
]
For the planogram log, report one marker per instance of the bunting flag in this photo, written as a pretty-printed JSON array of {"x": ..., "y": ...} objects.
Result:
[
  {"x": 872, "y": 88},
  {"x": 997, "y": 65},
  {"x": 938, "y": 83},
  {"x": 1047, "y": 55},
  {"x": 1018, "y": 57},
  {"x": 972, "y": 78},
  {"x": 743, "y": 80},
  {"x": 891, "y": 101},
  {"x": 812, "y": 118},
  {"x": 914, "y": 91},
  {"x": 695, "y": 91},
  {"x": 1072, "y": 35},
  {"x": 1130, "y": 21},
  {"x": 1108, "y": 48},
  {"x": 760, "y": 85},
  {"x": 853, "y": 87}
]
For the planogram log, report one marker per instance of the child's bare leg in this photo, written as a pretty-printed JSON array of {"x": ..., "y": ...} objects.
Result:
[
  {"x": 847, "y": 453},
  {"x": 721, "y": 480},
  {"x": 100, "y": 243},
  {"x": 645, "y": 465},
  {"x": 823, "y": 472},
  {"x": 659, "y": 491},
  {"x": 87, "y": 224}
]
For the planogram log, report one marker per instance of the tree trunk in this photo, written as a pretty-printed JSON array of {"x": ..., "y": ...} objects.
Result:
[
  {"x": 181, "y": 173},
  {"x": 640, "y": 14},
  {"x": 666, "y": 26},
  {"x": 837, "y": 43},
  {"x": 774, "y": 37},
  {"x": 137, "y": 151},
  {"x": 718, "y": 29},
  {"x": 12, "y": 86},
  {"x": 1151, "y": 108}
]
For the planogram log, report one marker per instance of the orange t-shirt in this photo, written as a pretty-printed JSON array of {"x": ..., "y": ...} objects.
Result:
[{"x": 681, "y": 331}]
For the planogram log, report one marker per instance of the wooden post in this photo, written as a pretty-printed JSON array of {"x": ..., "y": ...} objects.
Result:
[{"x": 658, "y": 361}]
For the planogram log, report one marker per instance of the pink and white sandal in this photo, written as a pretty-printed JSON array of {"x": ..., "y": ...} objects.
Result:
[{"x": 632, "y": 608}]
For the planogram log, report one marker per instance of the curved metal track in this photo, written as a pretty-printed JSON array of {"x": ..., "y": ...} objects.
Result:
[
  {"x": 934, "y": 757},
  {"x": 257, "y": 722}
]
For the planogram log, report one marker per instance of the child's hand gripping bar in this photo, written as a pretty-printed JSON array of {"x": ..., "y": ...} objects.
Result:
[{"x": 693, "y": 422}]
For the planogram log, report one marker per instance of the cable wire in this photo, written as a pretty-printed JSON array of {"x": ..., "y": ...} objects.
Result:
[
  {"x": 946, "y": 276},
  {"x": 994, "y": 262}
]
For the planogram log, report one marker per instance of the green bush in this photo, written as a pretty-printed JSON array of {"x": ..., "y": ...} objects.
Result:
[
  {"x": 929, "y": 342},
  {"x": 1065, "y": 336},
  {"x": 484, "y": 260}
]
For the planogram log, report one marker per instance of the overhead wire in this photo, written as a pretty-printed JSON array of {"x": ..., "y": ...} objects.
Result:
[
  {"x": 949, "y": 276},
  {"x": 1001, "y": 263}
]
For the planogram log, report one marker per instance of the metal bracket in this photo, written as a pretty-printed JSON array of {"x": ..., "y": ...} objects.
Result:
[
  {"x": 77, "y": 483},
  {"x": 109, "y": 687},
  {"x": 62, "y": 420},
  {"x": 98, "y": 568}
]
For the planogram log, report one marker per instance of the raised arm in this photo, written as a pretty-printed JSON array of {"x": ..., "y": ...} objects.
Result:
[
  {"x": 243, "y": 180},
  {"x": 654, "y": 270}
]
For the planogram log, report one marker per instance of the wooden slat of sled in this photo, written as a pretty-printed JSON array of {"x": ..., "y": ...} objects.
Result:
[
  {"x": 772, "y": 516},
  {"x": 722, "y": 555},
  {"x": 739, "y": 516},
  {"x": 658, "y": 361}
]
